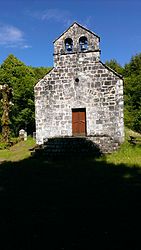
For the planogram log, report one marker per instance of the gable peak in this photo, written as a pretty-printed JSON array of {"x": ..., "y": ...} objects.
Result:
[{"x": 79, "y": 25}]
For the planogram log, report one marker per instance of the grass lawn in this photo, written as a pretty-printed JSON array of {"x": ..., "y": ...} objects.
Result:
[
  {"x": 127, "y": 154},
  {"x": 71, "y": 204},
  {"x": 17, "y": 152}
]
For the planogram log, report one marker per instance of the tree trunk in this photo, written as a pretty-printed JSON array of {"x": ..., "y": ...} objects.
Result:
[{"x": 5, "y": 117}]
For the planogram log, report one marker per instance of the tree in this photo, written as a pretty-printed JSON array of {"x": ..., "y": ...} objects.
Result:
[
  {"x": 132, "y": 93},
  {"x": 113, "y": 64},
  {"x": 40, "y": 72},
  {"x": 132, "y": 90},
  {"x": 21, "y": 78},
  {"x": 134, "y": 66},
  {"x": 6, "y": 103}
]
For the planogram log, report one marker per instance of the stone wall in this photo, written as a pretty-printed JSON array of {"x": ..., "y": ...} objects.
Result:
[
  {"x": 79, "y": 80},
  {"x": 75, "y": 32}
]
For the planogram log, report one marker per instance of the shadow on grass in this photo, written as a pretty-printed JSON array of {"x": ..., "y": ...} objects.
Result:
[{"x": 86, "y": 204}]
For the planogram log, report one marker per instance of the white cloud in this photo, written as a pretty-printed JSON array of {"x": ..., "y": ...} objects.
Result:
[
  {"x": 26, "y": 46},
  {"x": 88, "y": 21},
  {"x": 11, "y": 36},
  {"x": 57, "y": 15},
  {"x": 60, "y": 16}
]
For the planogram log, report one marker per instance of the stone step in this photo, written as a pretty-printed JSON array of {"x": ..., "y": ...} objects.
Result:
[
  {"x": 73, "y": 147},
  {"x": 67, "y": 147}
]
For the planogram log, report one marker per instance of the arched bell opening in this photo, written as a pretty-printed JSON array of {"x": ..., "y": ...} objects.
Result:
[
  {"x": 83, "y": 43},
  {"x": 68, "y": 45}
]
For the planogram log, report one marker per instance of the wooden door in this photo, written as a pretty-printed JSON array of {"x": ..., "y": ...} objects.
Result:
[{"x": 78, "y": 122}]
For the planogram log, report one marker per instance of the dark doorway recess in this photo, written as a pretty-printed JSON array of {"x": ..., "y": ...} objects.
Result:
[{"x": 79, "y": 122}]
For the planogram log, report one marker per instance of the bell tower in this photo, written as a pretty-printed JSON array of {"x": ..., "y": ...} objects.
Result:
[
  {"x": 76, "y": 40},
  {"x": 80, "y": 96}
]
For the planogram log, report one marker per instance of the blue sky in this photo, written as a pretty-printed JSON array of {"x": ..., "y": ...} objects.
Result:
[{"x": 28, "y": 27}]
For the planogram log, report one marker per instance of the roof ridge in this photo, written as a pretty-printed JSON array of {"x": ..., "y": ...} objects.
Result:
[
  {"x": 112, "y": 70},
  {"x": 79, "y": 26}
]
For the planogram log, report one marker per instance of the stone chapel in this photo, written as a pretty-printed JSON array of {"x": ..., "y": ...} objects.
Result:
[{"x": 80, "y": 96}]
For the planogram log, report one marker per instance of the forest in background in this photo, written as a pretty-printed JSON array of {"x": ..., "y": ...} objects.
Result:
[
  {"x": 22, "y": 79},
  {"x": 131, "y": 73}
]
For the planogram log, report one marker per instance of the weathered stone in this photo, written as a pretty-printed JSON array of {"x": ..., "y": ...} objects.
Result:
[{"x": 79, "y": 80}]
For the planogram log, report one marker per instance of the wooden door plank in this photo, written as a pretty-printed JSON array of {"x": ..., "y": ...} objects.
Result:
[{"x": 78, "y": 122}]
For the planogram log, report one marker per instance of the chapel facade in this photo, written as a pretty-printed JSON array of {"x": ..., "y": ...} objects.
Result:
[{"x": 80, "y": 96}]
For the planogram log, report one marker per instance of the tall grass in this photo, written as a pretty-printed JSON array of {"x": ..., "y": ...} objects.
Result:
[{"x": 127, "y": 154}]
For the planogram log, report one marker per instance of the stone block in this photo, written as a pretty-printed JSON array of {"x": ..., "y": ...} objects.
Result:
[{"x": 99, "y": 91}]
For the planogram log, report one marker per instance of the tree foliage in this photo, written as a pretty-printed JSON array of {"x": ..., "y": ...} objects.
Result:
[
  {"x": 40, "y": 72},
  {"x": 113, "y": 64},
  {"x": 132, "y": 93},
  {"x": 132, "y": 90},
  {"x": 134, "y": 66},
  {"x": 22, "y": 79}
]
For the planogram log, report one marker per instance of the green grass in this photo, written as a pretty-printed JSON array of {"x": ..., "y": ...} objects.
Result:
[
  {"x": 70, "y": 204},
  {"x": 127, "y": 154},
  {"x": 17, "y": 152}
]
